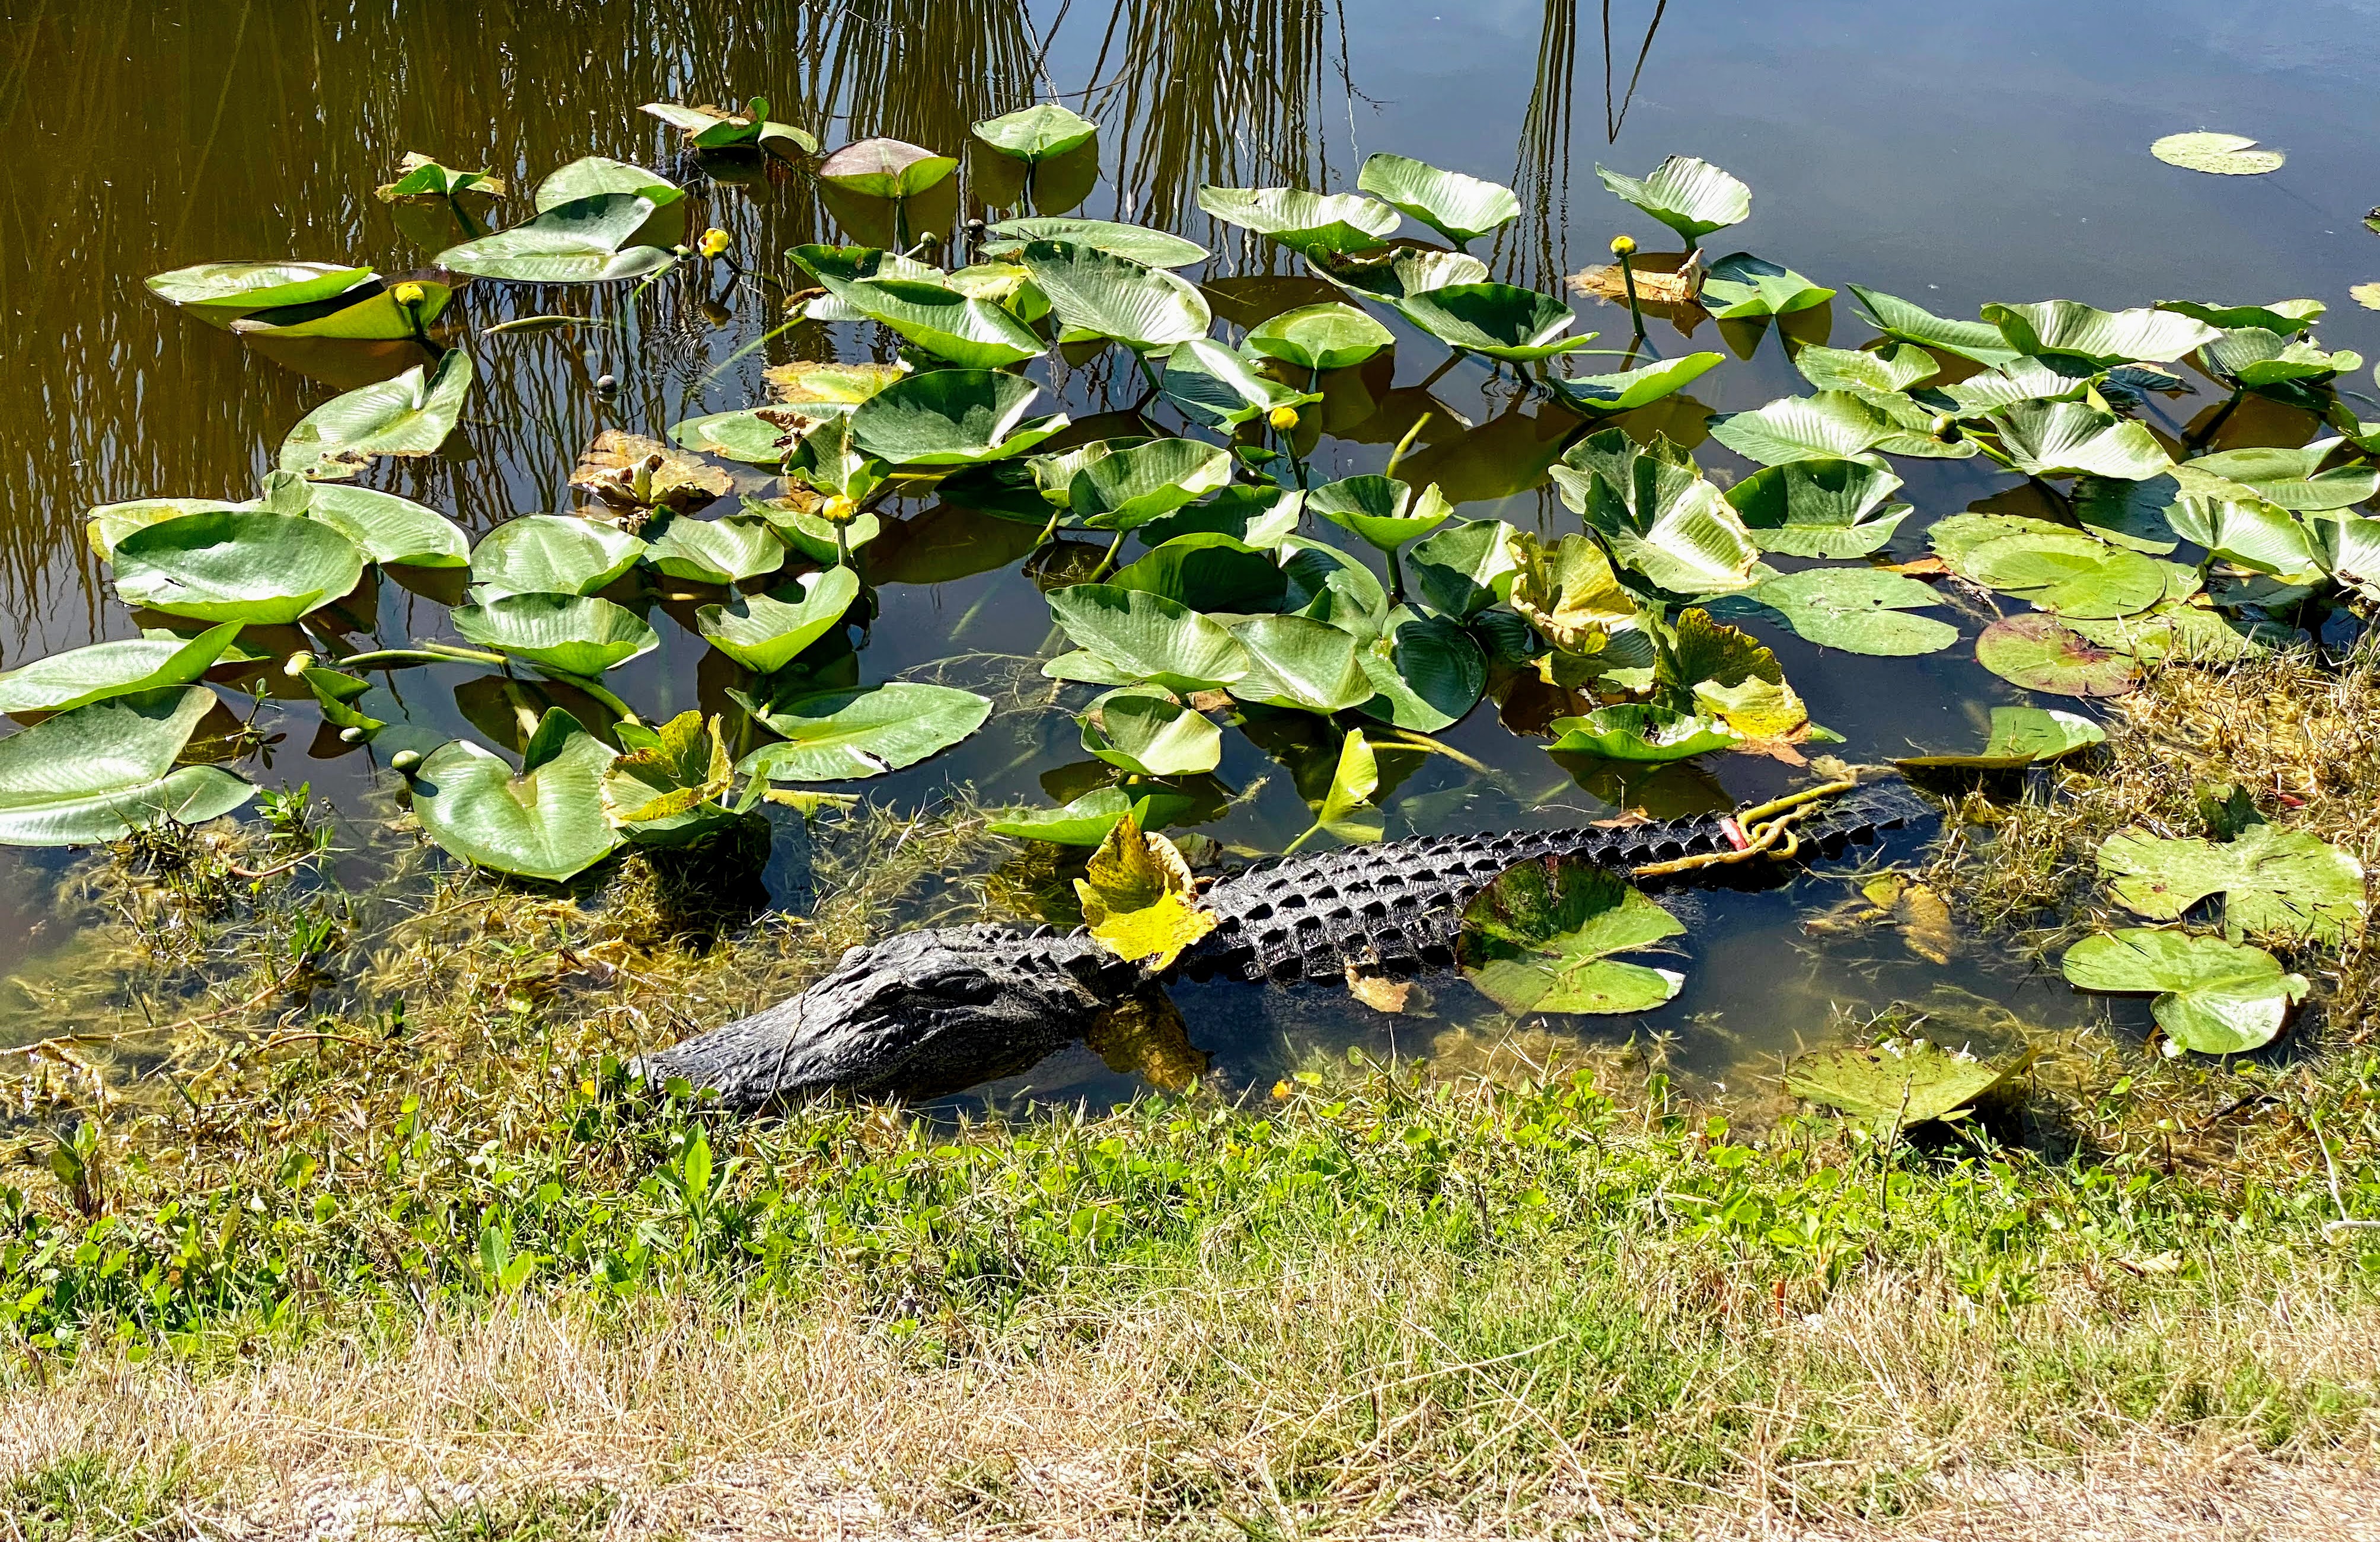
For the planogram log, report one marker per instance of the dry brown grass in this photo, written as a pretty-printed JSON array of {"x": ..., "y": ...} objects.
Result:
[{"x": 805, "y": 1420}]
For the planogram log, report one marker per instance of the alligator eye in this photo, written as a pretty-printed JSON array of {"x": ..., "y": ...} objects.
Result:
[{"x": 971, "y": 986}]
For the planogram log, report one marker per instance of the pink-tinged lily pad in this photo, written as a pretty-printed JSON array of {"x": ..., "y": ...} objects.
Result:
[{"x": 2035, "y": 651}]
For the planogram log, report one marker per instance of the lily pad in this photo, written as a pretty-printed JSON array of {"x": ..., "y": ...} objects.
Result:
[
  {"x": 1657, "y": 513},
  {"x": 817, "y": 389},
  {"x": 2275, "y": 882},
  {"x": 1458, "y": 207},
  {"x": 1465, "y": 566},
  {"x": 220, "y": 292},
  {"x": 375, "y": 317},
  {"x": 2020, "y": 737},
  {"x": 2259, "y": 359},
  {"x": 1147, "y": 732},
  {"x": 2215, "y": 997},
  {"x": 2067, "y": 572},
  {"x": 1897, "y": 1083},
  {"x": 595, "y": 176},
  {"x": 109, "y": 523},
  {"x": 1540, "y": 937},
  {"x": 885, "y": 168},
  {"x": 2292, "y": 478},
  {"x": 547, "y": 821},
  {"x": 410, "y": 414},
  {"x": 65, "y": 680},
  {"x": 573, "y": 633},
  {"x": 1139, "y": 898},
  {"x": 766, "y": 632},
  {"x": 756, "y": 435},
  {"x": 722, "y": 552},
  {"x": 1097, "y": 294},
  {"x": 2105, "y": 337},
  {"x": 840, "y": 735},
  {"x": 1036, "y": 133},
  {"x": 1300, "y": 663},
  {"x": 944, "y": 321},
  {"x": 1858, "y": 610},
  {"x": 1333, "y": 223},
  {"x": 1832, "y": 425},
  {"x": 1207, "y": 570},
  {"x": 1626, "y": 390},
  {"x": 1911, "y": 322},
  {"x": 2059, "y": 439},
  {"x": 1088, "y": 819},
  {"x": 98, "y": 771},
  {"x": 1691, "y": 197},
  {"x": 1213, "y": 385},
  {"x": 1138, "y": 243},
  {"x": 1427, "y": 672},
  {"x": 1892, "y": 368},
  {"x": 1318, "y": 337},
  {"x": 1149, "y": 638},
  {"x": 552, "y": 554},
  {"x": 1568, "y": 592},
  {"x": 2035, "y": 651},
  {"x": 1820, "y": 508},
  {"x": 1741, "y": 285},
  {"x": 1497, "y": 321},
  {"x": 389, "y": 529},
  {"x": 950, "y": 417},
  {"x": 1641, "y": 732},
  {"x": 2218, "y": 154},
  {"x": 1137, "y": 483},
  {"x": 1382, "y": 510},
  {"x": 587, "y": 240},
  {"x": 236, "y": 566}
]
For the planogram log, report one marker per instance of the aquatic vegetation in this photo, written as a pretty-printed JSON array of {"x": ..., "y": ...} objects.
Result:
[{"x": 2218, "y": 154}]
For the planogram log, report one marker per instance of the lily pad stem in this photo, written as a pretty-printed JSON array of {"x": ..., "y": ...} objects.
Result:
[
  {"x": 2222, "y": 416},
  {"x": 1105, "y": 562},
  {"x": 420, "y": 653},
  {"x": 1403, "y": 445},
  {"x": 595, "y": 689}
]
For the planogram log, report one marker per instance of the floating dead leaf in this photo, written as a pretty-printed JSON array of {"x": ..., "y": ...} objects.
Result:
[
  {"x": 1917, "y": 567},
  {"x": 628, "y": 471},
  {"x": 1378, "y": 991},
  {"x": 1926, "y": 924},
  {"x": 1663, "y": 278},
  {"x": 803, "y": 381}
]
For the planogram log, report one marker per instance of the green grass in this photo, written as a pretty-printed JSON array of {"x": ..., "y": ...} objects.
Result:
[{"x": 87, "y": 1497}]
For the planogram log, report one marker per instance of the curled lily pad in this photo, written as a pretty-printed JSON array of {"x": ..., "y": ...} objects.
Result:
[
  {"x": 577, "y": 634},
  {"x": 1498, "y": 321},
  {"x": 1155, "y": 249},
  {"x": 236, "y": 566},
  {"x": 950, "y": 417},
  {"x": 65, "y": 680},
  {"x": 766, "y": 632},
  {"x": 2218, "y": 154},
  {"x": 2105, "y": 337},
  {"x": 1147, "y": 732},
  {"x": 1207, "y": 570},
  {"x": 595, "y": 176},
  {"x": 1691, "y": 197},
  {"x": 1381, "y": 510},
  {"x": 839, "y": 735},
  {"x": 98, "y": 771},
  {"x": 1657, "y": 513},
  {"x": 1309, "y": 222},
  {"x": 1541, "y": 937},
  {"x": 1465, "y": 566},
  {"x": 1316, "y": 337},
  {"x": 2058, "y": 377},
  {"x": 1832, "y": 425},
  {"x": 1627, "y": 390},
  {"x": 1568, "y": 592},
  {"x": 669, "y": 786},
  {"x": 885, "y": 168},
  {"x": 710, "y": 127},
  {"x": 587, "y": 240},
  {"x": 2292, "y": 478},
  {"x": 1149, "y": 638},
  {"x": 1897, "y": 1083},
  {"x": 2258, "y": 359},
  {"x": 1137, "y": 483},
  {"x": 1036, "y": 133},
  {"x": 2020, "y": 737},
  {"x": 2290, "y": 318},
  {"x": 546, "y": 822},
  {"x": 389, "y": 529},
  {"x": 1097, "y": 294},
  {"x": 1139, "y": 898},
  {"x": 2245, "y": 529},
  {"x": 1215, "y": 386},
  {"x": 379, "y": 316},
  {"x": 2274, "y": 882},
  {"x": 1460, "y": 208},
  {"x": 2215, "y": 997},
  {"x": 1911, "y": 322},
  {"x": 1820, "y": 508},
  {"x": 1889, "y": 368},
  {"x": 220, "y": 292},
  {"x": 1858, "y": 610},
  {"x": 1741, "y": 285},
  {"x": 722, "y": 552},
  {"x": 633, "y": 474},
  {"x": 552, "y": 554},
  {"x": 1300, "y": 663},
  {"x": 1394, "y": 273},
  {"x": 410, "y": 414},
  {"x": 2059, "y": 439},
  {"x": 2036, "y": 652},
  {"x": 944, "y": 321},
  {"x": 1639, "y": 732},
  {"x": 109, "y": 523},
  {"x": 1088, "y": 819}
]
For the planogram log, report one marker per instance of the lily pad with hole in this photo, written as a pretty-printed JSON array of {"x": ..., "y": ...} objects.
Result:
[
  {"x": 1899, "y": 1083},
  {"x": 1540, "y": 939},
  {"x": 840, "y": 735},
  {"x": 552, "y": 554},
  {"x": 2034, "y": 651},
  {"x": 1458, "y": 207},
  {"x": 577, "y": 634},
  {"x": 410, "y": 414},
  {"x": 544, "y": 821},
  {"x": 1858, "y": 610},
  {"x": 236, "y": 566},
  {"x": 2275, "y": 882},
  {"x": 1149, "y": 732},
  {"x": 1820, "y": 508},
  {"x": 1691, "y": 196},
  {"x": 766, "y": 632},
  {"x": 2215, "y": 997},
  {"x": 98, "y": 771},
  {"x": 2020, "y": 737}
]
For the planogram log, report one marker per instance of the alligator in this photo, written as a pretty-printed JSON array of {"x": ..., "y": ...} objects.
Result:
[{"x": 934, "y": 1011}]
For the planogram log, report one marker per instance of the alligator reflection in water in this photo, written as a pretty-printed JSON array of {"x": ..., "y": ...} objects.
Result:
[{"x": 932, "y": 1012}]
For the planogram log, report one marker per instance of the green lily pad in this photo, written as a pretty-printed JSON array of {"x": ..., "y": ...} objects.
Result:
[
  {"x": 1097, "y": 294},
  {"x": 595, "y": 176},
  {"x": 2020, "y": 737},
  {"x": 2256, "y": 358},
  {"x": 220, "y": 292},
  {"x": 109, "y": 523},
  {"x": 65, "y": 680},
  {"x": 576, "y": 634},
  {"x": 1381, "y": 510},
  {"x": 2035, "y": 651},
  {"x": 389, "y": 529},
  {"x": 1088, "y": 819},
  {"x": 2215, "y": 997},
  {"x": 1036, "y": 133},
  {"x": 2291, "y": 318},
  {"x": 376, "y": 317},
  {"x": 98, "y": 771},
  {"x": 2274, "y": 882},
  {"x": 1219, "y": 388},
  {"x": 1314, "y": 337},
  {"x": 236, "y": 566},
  {"x": 1309, "y": 222},
  {"x": 410, "y": 414},
  {"x": 587, "y": 240},
  {"x": 885, "y": 168},
  {"x": 944, "y": 321},
  {"x": 1135, "y": 485},
  {"x": 547, "y": 821},
  {"x": 1427, "y": 672},
  {"x": 1691, "y": 197},
  {"x": 1911, "y": 322},
  {"x": 2244, "y": 529},
  {"x": 840, "y": 735},
  {"x": 1741, "y": 285},
  {"x": 2293, "y": 479},
  {"x": 766, "y": 632},
  {"x": 1464, "y": 568},
  {"x": 708, "y": 128},
  {"x": 2059, "y": 439},
  {"x": 722, "y": 552},
  {"x": 1641, "y": 732},
  {"x": 1820, "y": 508},
  {"x": 755, "y": 435},
  {"x": 950, "y": 417},
  {"x": 2348, "y": 546},
  {"x": 1154, "y": 249},
  {"x": 552, "y": 554},
  {"x": 1626, "y": 390},
  {"x": 1832, "y": 425},
  {"x": 1539, "y": 939},
  {"x": 1300, "y": 663},
  {"x": 1858, "y": 610},
  {"x": 1497, "y": 321},
  {"x": 1146, "y": 636},
  {"x": 2105, "y": 337},
  {"x": 1460, "y": 208},
  {"x": 2067, "y": 572},
  {"x": 1897, "y": 1083},
  {"x": 1393, "y": 274},
  {"x": 1657, "y": 513},
  {"x": 1893, "y": 369},
  {"x": 1147, "y": 732},
  {"x": 1207, "y": 570},
  {"x": 2216, "y": 155}
]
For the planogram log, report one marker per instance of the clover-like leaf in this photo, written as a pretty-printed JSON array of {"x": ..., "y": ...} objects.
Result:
[
  {"x": 2215, "y": 997},
  {"x": 1540, "y": 939}
]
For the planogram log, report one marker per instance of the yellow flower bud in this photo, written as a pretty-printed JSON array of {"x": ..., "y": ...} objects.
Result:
[
  {"x": 837, "y": 509},
  {"x": 1282, "y": 418},
  {"x": 1623, "y": 246},
  {"x": 407, "y": 294},
  {"x": 297, "y": 664},
  {"x": 714, "y": 241},
  {"x": 1280, "y": 1091},
  {"x": 1943, "y": 428}
]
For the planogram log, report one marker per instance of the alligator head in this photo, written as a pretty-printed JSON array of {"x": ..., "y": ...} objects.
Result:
[{"x": 917, "y": 1015}]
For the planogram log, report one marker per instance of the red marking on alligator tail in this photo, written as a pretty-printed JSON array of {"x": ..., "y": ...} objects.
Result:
[{"x": 1734, "y": 833}]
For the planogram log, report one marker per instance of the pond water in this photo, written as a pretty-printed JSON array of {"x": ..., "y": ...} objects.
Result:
[{"x": 1951, "y": 157}]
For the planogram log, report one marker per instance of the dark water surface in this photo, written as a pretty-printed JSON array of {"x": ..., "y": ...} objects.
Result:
[{"x": 1997, "y": 153}]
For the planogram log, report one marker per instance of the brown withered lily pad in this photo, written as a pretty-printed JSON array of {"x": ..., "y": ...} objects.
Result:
[{"x": 627, "y": 471}]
